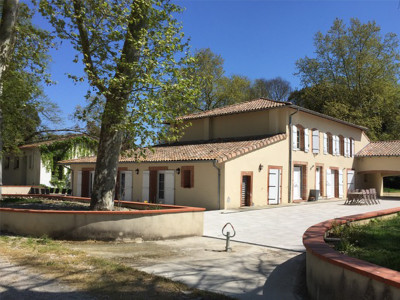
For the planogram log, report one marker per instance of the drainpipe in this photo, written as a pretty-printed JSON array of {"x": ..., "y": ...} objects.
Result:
[
  {"x": 219, "y": 183},
  {"x": 290, "y": 156}
]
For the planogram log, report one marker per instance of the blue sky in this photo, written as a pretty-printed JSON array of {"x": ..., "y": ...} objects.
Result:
[{"x": 257, "y": 39}]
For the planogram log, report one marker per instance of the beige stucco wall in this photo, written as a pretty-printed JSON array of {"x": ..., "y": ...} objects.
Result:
[
  {"x": 272, "y": 155},
  {"x": 328, "y": 281},
  {"x": 203, "y": 194},
  {"x": 27, "y": 175},
  {"x": 103, "y": 226},
  {"x": 237, "y": 125},
  {"x": 326, "y": 160}
]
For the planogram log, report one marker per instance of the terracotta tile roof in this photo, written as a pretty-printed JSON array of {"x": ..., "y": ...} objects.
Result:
[
  {"x": 48, "y": 142},
  {"x": 259, "y": 105},
  {"x": 220, "y": 150},
  {"x": 383, "y": 148},
  {"x": 253, "y": 105}
]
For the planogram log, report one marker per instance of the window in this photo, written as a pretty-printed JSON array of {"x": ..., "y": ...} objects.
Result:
[
  {"x": 187, "y": 177},
  {"x": 16, "y": 162},
  {"x": 161, "y": 186},
  {"x": 341, "y": 145},
  {"x": 352, "y": 147},
  {"x": 7, "y": 163},
  {"x": 300, "y": 138},
  {"x": 315, "y": 141},
  {"x": 329, "y": 143}
]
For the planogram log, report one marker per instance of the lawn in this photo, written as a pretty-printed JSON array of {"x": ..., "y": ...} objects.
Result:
[
  {"x": 377, "y": 242},
  {"x": 102, "y": 278},
  {"x": 390, "y": 190}
]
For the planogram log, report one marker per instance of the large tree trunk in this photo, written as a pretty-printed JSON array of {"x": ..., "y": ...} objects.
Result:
[
  {"x": 102, "y": 197},
  {"x": 112, "y": 123},
  {"x": 7, "y": 27}
]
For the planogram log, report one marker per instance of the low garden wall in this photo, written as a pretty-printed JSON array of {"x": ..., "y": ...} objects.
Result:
[
  {"x": 152, "y": 221},
  {"x": 332, "y": 275},
  {"x": 17, "y": 189}
]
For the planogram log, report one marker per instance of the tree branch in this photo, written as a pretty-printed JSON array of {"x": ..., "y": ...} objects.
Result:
[{"x": 85, "y": 43}]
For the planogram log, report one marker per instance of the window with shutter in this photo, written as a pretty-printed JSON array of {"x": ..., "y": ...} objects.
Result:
[
  {"x": 294, "y": 137},
  {"x": 341, "y": 145},
  {"x": 325, "y": 143},
  {"x": 315, "y": 141},
  {"x": 187, "y": 176},
  {"x": 306, "y": 140},
  {"x": 352, "y": 147},
  {"x": 330, "y": 143}
]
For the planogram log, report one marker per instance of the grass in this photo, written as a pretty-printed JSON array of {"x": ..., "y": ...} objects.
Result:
[
  {"x": 9, "y": 200},
  {"x": 390, "y": 190},
  {"x": 377, "y": 242},
  {"x": 103, "y": 278}
]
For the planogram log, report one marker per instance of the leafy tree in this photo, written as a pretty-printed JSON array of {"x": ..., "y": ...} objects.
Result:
[
  {"x": 23, "y": 61},
  {"x": 277, "y": 89},
  {"x": 355, "y": 77},
  {"x": 134, "y": 57},
  {"x": 216, "y": 89}
]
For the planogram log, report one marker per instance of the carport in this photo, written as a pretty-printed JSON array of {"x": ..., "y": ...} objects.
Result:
[{"x": 376, "y": 161}]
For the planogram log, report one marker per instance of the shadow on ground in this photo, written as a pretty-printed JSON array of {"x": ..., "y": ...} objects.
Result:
[{"x": 287, "y": 281}]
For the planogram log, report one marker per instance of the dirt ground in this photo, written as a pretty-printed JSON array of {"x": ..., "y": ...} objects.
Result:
[{"x": 247, "y": 272}]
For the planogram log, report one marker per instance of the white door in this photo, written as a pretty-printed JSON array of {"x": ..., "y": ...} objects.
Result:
[
  {"x": 146, "y": 186},
  {"x": 273, "y": 186},
  {"x": 125, "y": 180},
  {"x": 169, "y": 187},
  {"x": 297, "y": 183},
  {"x": 350, "y": 180},
  {"x": 340, "y": 184},
  {"x": 318, "y": 179},
  {"x": 330, "y": 183}
]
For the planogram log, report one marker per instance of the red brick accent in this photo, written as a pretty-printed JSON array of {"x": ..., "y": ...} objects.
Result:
[{"x": 313, "y": 240}]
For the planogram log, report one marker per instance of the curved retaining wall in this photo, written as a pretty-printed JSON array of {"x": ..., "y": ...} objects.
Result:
[
  {"x": 165, "y": 221},
  {"x": 332, "y": 275}
]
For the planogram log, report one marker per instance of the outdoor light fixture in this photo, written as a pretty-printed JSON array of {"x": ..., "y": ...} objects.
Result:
[
  {"x": 137, "y": 171},
  {"x": 178, "y": 171},
  {"x": 260, "y": 167}
]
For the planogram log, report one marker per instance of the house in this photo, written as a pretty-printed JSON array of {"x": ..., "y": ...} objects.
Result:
[
  {"x": 255, "y": 153},
  {"x": 35, "y": 164}
]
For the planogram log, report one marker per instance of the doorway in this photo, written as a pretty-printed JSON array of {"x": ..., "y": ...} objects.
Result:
[
  {"x": 246, "y": 188},
  {"x": 274, "y": 183},
  {"x": 297, "y": 183}
]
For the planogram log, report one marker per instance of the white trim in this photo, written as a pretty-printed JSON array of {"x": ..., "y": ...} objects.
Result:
[{"x": 306, "y": 140}]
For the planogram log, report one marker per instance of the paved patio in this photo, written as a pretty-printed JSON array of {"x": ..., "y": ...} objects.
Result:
[{"x": 282, "y": 227}]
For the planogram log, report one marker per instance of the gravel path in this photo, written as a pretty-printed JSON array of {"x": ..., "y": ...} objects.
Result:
[{"x": 20, "y": 282}]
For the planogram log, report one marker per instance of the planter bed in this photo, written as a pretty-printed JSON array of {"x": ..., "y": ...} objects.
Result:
[{"x": 142, "y": 220}]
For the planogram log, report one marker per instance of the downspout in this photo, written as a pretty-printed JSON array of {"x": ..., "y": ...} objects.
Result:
[
  {"x": 290, "y": 156},
  {"x": 219, "y": 183}
]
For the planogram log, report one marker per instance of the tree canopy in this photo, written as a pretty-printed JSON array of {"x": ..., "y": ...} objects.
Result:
[
  {"x": 137, "y": 60},
  {"x": 354, "y": 76},
  {"x": 22, "y": 100},
  {"x": 276, "y": 88}
]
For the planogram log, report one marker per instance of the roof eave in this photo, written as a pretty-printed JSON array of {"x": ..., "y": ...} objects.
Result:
[{"x": 312, "y": 112}]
